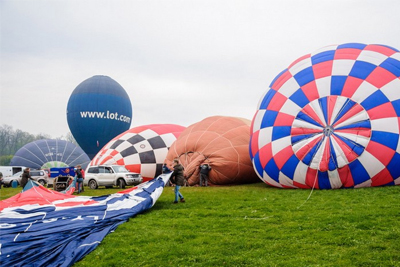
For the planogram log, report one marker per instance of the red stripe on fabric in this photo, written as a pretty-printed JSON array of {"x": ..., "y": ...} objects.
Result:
[
  {"x": 72, "y": 204},
  {"x": 281, "y": 80},
  {"x": 382, "y": 178},
  {"x": 299, "y": 59},
  {"x": 350, "y": 113},
  {"x": 283, "y": 156},
  {"x": 134, "y": 168},
  {"x": 302, "y": 152},
  {"x": 348, "y": 152},
  {"x": 380, "y": 76},
  {"x": 356, "y": 131},
  {"x": 284, "y": 119},
  {"x": 265, "y": 154},
  {"x": 345, "y": 176},
  {"x": 311, "y": 113},
  {"x": 303, "y": 131},
  {"x": 323, "y": 69},
  {"x": 310, "y": 90},
  {"x": 347, "y": 53},
  {"x": 380, "y": 49},
  {"x": 351, "y": 85},
  {"x": 383, "y": 111},
  {"x": 331, "y": 105},
  {"x": 299, "y": 185},
  {"x": 323, "y": 165},
  {"x": 277, "y": 102},
  {"x": 312, "y": 179},
  {"x": 107, "y": 159},
  {"x": 381, "y": 152},
  {"x": 121, "y": 162},
  {"x": 254, "y": 143}
]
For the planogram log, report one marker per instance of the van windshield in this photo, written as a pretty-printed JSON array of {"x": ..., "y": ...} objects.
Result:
[{"x": 120, "y": 169}]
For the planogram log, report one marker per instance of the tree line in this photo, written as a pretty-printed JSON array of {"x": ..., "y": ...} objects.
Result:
[{"x": 12, "y": 140}]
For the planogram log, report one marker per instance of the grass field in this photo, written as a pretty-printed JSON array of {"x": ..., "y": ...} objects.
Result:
[{"x": 256, "y": 225}]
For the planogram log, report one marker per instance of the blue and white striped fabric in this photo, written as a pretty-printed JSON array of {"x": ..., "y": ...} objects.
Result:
[{"x": 62, "y": 229}]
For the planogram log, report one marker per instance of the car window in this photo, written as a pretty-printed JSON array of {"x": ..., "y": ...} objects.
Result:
[
  {"x": 101, "y": 169},
  {"x": 93, "y": 170},
  {"x": 34, "y": 173},
  {"x": 120, "y": 169},
  {"x": 107, "y": 170}
]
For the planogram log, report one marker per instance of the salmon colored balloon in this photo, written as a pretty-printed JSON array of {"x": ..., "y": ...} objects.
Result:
[{"x": 223, "y": 143}]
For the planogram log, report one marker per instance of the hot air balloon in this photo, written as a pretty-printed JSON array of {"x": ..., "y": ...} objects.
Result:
[
  {"x": 222, "y": 142},
  {"x": 98, "y": 110},
  {"x": 49, "y": 153},
  {"x": 331, "y": 120},
  {"x": 142, "y": 149}
]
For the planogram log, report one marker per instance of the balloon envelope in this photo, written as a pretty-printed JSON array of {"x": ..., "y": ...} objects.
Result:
[
  {"x": 331, "y": 120},
  {"x": 49, "y": 153},
  {"x": 223, "y": 143},
  {"x": 98, "y": 110},
  {"x": 141, "y": 149}
]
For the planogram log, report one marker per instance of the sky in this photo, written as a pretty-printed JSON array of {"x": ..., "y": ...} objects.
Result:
[{"x": 179, "y": 61}]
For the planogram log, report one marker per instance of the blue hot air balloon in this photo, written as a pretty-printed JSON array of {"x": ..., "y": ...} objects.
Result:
[
  {"x": 48, "y": 153},
  {"x": 98, "y": 110}
]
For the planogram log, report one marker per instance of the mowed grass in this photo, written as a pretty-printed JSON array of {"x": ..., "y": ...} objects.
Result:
[{"x": 257, "y": 225}]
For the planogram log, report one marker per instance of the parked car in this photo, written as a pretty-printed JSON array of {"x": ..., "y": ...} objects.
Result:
[
  {"x": 39, "y": 176},
  {"x": 110, "y": 175}
]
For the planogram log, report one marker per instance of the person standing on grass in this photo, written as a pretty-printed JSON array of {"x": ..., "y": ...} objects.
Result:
[
  {"x": 25, "y": 177},
  {"x": 204, "y": 170},
  {"x": 178, "y": 179},
  {"x": 79, "y": 178}
]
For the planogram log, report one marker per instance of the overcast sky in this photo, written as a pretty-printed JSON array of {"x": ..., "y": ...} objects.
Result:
[{"x": 179, "y": 61}]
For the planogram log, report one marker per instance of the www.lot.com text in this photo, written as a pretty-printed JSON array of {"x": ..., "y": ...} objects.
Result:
[{"x": 105, "y": 115}]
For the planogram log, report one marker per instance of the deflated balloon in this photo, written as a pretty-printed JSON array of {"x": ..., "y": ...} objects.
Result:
[
  {"x": 48, "y": 153},
  {"x": 223, "y": 143},
  {"x": 331, "y": 120},
  {"x": 141, "y": 149}
]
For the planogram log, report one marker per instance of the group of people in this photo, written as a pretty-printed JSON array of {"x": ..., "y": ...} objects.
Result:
[{"x": 178, "y": 178}]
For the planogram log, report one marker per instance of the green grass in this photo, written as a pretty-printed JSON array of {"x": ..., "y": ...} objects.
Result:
[{"x": 256, "y": 225}]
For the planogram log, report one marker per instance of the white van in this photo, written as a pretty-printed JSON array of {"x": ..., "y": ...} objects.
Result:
[{"x": 10, "y": 170}]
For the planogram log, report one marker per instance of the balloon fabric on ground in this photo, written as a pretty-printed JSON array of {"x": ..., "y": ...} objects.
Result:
[
  {"x": 41, "y": 227},
  {"x": 98, "y": 110},
  {"x": 220, "y": 141},
  {"x": 142, "y": 149},
  {"x": 48, "y": 153},
  {"x": 331, "y": 120}
]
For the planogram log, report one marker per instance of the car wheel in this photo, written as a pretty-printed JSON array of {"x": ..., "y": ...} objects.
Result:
[
  {"x": 42, "y": 182},
  {"x": 121, "y": 183},
  {"x": 93, "y": 184}
]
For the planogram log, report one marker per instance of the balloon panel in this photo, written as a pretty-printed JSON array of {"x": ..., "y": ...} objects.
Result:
[
  {"x": 331, "y": 120},
  {"x": 46, "y": 152},
  {"x": 142, "y": 149}
]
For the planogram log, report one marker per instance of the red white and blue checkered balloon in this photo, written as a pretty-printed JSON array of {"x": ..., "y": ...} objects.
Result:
[{"x": 331, "y": 120}]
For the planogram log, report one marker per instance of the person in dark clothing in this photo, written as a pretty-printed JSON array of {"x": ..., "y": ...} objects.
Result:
[
  {"x": 79, "y": 178},
  {"x": 204, "y": 170},
  {"x": 1, "y": 179},
  {"x": 25, "y": 177},
  {"x": 178, "y": 179}
]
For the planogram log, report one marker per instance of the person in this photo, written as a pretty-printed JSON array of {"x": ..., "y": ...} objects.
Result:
[
  {"x": 204, "y": 170},
  {"x": 178, "y": 179},
  {"x": 25, "y": 177},
  {"x": 165, "y": 168},
  {"x": 83, "y": 178},
  {"x": 1, "y": 179},
  {"x": 79, "y": 178}
]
